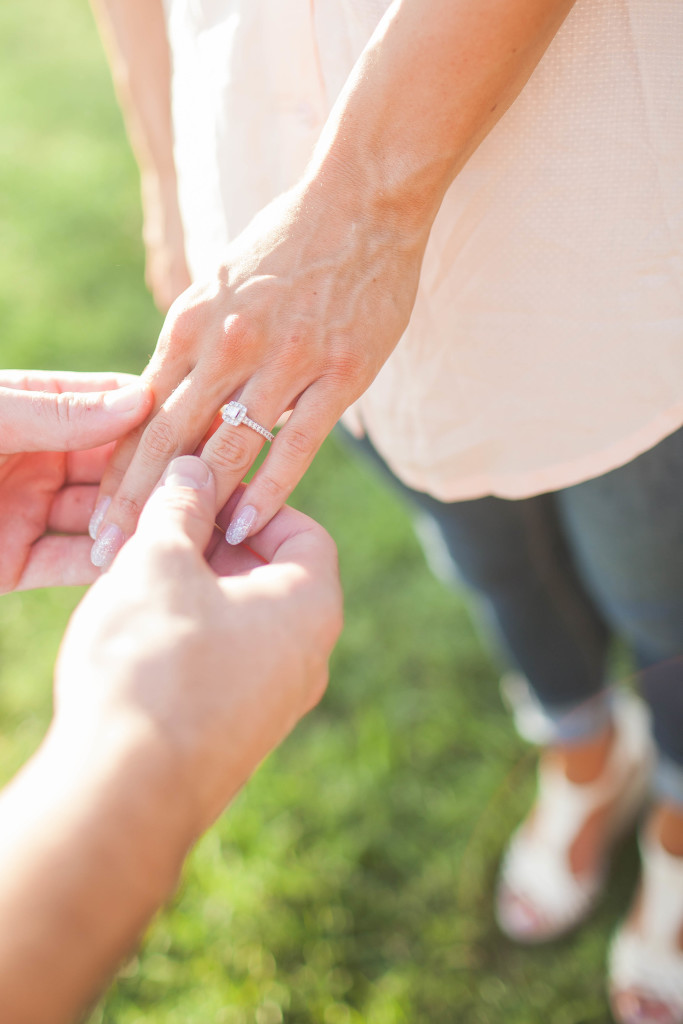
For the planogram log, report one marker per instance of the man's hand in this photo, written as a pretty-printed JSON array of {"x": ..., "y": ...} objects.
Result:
[
  {"x": 178, "y": 673},
  {"x": 53, "y": 451},
  {"x": 215, "y": 656}
]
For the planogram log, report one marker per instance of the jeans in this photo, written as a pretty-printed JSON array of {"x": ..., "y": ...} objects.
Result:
[{"x": 560, "y": 574}]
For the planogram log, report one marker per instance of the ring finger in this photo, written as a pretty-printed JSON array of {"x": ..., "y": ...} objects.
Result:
[
  {"x": 176, "y": 429},
  {"x": 247, "y": 424}
]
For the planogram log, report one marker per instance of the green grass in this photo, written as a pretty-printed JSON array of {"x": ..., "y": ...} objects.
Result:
[{"x": 351, "y": 881}]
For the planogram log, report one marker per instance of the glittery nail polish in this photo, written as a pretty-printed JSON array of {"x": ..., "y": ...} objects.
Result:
[
  {"x": 240, "y": 526},
  {"x": 106, "y": 547},
  {"x": 97, "y": 517}
]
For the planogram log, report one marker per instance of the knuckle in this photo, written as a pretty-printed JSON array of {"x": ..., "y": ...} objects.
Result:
[
  {"x": 239, "y": 341},
  {"x": 274, "y": 488},
  {"x": 160, "y": 439},
  {"x": 278, "y": 478},
  {"x": 65, "y": 407},
  {"x": 231, "y": 451},
  {"x": 348, "y": 367},
  {"x": 238, "y": 331},
  {"x": 297, "y": 445},
  {"x": 183, "y": 323},
  {"x": 127, "y": 508}
]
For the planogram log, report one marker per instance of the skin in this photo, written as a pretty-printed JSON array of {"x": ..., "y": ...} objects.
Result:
[
  {"x": 316, "y": 292},
  {"x": 314, "y": 295},
  {"x": 54, "y": 429},
  {"x": 134, "y": 35},
  {"x": 179, "y": 671}
]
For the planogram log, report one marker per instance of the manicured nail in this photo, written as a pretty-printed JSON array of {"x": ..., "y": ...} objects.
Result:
[
  {"x": 187, "y": 471},
  {"x": 240, "y": 525},
  {"x": 106, "y": 547},
  {"x": 97, "y": 517},
  {"x": 124, "y": 399}
]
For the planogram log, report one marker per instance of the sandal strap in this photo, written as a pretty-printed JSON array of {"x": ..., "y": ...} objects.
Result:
[
  {"x": 536, "y": 866},
  {"x": 661, "y": 909},
  {"x": 564, "y": 806},
  {"x": 530, "y": 869},
  {"x": 645, "y": 957},
  {"x": 654, "y": 972}
]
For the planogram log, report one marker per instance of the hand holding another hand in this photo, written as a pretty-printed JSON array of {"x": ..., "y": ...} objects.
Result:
[
  {"x": 178, "y": 673},
  {"x": 301, "y": 316},
  {"x": 207, "y": 662},
  {"x": 54, "y": 429}
]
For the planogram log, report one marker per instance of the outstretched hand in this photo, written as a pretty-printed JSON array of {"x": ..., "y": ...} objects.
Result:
[
  {"x": 55, "y": 430},
  {"x": 300, "y": 317}
]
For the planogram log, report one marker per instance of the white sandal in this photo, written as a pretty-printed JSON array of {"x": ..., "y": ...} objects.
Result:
[
  {"x": 645, "y": 963},
  {"x": 539, "y": 898}
]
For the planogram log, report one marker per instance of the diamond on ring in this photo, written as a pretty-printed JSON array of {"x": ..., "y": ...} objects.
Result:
[{"x": 235, "y": 413}]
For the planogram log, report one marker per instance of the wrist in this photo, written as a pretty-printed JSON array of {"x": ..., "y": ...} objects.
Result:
[
  {"x": 359, "y": 186},
  {"x": 90, "y": 846},
  {"x": 127, "y": 794}
]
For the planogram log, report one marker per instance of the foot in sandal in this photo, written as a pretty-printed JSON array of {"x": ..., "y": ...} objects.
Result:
[
  {"x": 646, "y": 958},
  {"x": 555, "y": 865}
]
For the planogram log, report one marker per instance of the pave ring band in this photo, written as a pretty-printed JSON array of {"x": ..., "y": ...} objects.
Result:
[{"x": 235, "y": 413}]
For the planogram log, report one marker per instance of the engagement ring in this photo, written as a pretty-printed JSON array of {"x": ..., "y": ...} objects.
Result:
[{"x": 235, "y": 413}]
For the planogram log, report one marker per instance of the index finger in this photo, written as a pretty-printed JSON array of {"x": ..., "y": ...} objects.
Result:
[{"x": 57, "y": 381}]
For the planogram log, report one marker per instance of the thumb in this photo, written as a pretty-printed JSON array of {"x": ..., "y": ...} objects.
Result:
[
  {"x": 185, "y": 503},
  {"x": 34, "y": 421}
]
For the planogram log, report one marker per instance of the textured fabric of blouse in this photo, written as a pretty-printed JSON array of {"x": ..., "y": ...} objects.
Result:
[{"x": 546, "y": 343}]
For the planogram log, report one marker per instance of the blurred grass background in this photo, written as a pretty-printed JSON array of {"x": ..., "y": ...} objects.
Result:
[{"x": 351, "y": 881}]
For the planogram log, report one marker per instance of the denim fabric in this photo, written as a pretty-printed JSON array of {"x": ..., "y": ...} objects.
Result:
[{"x": 559, "y": 574}]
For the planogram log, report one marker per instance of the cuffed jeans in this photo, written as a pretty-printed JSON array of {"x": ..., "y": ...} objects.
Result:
[{"x": 561, "y": 573}]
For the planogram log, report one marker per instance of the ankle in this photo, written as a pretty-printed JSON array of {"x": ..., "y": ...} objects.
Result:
[
  {"x": 584, "y": 762},
  {"x": 666, "y": 826}
]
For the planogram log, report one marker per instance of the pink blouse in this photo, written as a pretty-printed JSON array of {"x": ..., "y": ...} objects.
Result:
[{"x": 546, "y": 343}]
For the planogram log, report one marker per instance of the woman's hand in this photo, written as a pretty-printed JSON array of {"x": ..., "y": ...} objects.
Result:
[
  {"x": 301, "y": 316},
  {"x": 316, "y": 293},
  {"x": 53, "y": 433}
]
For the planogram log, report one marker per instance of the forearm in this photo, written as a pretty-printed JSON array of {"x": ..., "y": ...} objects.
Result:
[
  {"x": 90, "y": 846},
  {"x": 134, "y": 36},
  {"x": 435, "y": 78}
]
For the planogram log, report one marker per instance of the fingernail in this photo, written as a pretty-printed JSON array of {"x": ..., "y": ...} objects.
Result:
[
  {"x": 97, "y": 517},
  {"x": 124, "y": 399},
  {"x": 240, "y": 525},
  {"x": 187, "y": 471},
  {"x": 106, "y": 547}
]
